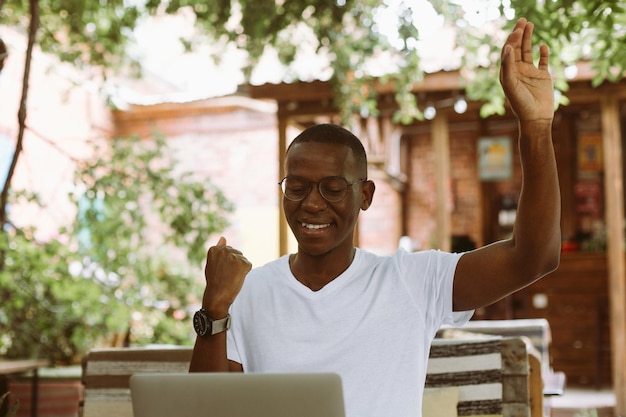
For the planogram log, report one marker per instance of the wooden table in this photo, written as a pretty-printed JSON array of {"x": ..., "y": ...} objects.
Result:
[{"x": 9, "y": 367}]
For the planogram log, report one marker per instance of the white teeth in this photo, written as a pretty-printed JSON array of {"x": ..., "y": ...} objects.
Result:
[{"x": 315, "y": 226}]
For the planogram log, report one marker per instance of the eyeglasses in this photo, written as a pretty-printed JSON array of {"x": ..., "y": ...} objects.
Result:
[{"x": 332, "y": 189}]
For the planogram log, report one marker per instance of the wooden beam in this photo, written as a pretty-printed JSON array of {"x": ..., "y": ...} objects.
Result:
[
  {"x": 283, "y": 228},
  {"x": 585, "y": 93},
  {"x": 614, "y": 214},
  {"x": 441, "y": 150},
  {"x": 319, "y": 90},
  {"x": 323, "y": 90},
  {"x": 168, "y": 110}
]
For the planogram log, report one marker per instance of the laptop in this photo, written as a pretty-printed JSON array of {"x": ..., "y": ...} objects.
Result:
[{"x": 236, "y": 395}]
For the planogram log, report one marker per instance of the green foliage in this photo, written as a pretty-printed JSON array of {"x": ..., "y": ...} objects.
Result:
[
  {"x": 131, "y": 262},
  {"x": 14, "y": 408},
  {"x": 126, "y": 196},
  {"x": 45, "y": 311},
  {"x": 592, "y": 29},
  {"x": 85, "y": 33},
  {"x": 349, "y": 33},
  {"x": 575, "y": 31}
]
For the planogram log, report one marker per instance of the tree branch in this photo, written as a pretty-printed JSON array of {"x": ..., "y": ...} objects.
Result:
[{"x": 21, "y": 115}]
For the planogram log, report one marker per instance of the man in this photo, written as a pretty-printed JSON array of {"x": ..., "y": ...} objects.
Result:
[{"x": 336, "y": 308}]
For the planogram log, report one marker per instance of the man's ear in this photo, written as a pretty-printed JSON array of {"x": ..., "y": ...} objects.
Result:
[{"x": 368, "y": 194}]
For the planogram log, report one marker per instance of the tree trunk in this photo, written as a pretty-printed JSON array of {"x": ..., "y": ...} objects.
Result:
[{"x": 21, "y": 115}]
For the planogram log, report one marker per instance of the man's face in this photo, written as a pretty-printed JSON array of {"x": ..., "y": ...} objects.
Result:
[{"x": 319, "y": 226}]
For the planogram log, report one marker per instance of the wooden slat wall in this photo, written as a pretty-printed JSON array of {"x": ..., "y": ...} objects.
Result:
[{"x": 578, "y": 313}]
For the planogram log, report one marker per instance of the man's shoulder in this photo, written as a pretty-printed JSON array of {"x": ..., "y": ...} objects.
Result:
[
  {"x": 400, "y": 254},
  {"x": 425, "y": 261},
  {"x": 271, "y": 267}
]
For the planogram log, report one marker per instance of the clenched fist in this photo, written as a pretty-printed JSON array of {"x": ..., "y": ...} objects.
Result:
[{"x": 225, "y": 271}]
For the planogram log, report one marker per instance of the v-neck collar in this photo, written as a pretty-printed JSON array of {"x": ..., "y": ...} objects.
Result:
[{"x": 339, "y": 282}]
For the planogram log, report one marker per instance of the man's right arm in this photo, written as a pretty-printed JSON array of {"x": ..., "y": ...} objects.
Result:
[{"x": 225, "y": 271}]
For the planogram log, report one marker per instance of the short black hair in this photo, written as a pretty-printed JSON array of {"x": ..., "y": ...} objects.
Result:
[{"x": 330, "y": 133}]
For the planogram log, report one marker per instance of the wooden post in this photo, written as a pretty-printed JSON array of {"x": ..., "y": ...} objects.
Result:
[
  {"x": 441, "y": 150},
  {"x": 614, "y": 213},
  {"x": 283, "y": 229}
]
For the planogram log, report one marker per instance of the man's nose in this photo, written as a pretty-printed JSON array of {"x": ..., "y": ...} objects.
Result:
[{"x": 313, "y": 200}]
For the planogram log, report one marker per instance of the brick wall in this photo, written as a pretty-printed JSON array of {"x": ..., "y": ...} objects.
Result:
[
  {"x": 465, "y": 197},
  {"x": 466, "y": 209},
  {"x": 380, "y": 227}
]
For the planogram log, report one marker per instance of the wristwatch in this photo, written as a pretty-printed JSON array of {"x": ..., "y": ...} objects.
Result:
[{"x": 206, "y": 326}]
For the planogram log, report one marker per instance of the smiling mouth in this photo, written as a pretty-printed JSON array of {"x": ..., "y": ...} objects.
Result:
[{"x": 315, "y": 226}]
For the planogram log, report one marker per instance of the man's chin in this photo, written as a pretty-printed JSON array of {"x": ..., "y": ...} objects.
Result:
[{"x": 313, "y": 250}]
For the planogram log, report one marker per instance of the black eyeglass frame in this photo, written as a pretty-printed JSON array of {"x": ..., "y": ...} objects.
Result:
[{"x": 310, "y": 184}]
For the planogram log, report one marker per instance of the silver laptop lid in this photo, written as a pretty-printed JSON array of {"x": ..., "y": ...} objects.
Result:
[{"x": 236, "y": 395}]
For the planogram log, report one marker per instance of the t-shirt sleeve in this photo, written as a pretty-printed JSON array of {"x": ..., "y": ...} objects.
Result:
[
  {"x": 448, "y": 265},
  {"x": 459, "y": 318},
  {"x": 431, "y": 276},
  {"x": 235, "y": 348},
  {"x": 234, "y": 334}
]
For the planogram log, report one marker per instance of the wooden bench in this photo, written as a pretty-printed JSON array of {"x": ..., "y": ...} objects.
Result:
[{"x": 494, "y": 376}]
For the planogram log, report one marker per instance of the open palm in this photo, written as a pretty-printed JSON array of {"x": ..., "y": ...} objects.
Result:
[{"x": 527, "y": 87}]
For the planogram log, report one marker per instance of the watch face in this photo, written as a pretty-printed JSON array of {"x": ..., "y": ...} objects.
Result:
[{"x": 200, "y": 323}]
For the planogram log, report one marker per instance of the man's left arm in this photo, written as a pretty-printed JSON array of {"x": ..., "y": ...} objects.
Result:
[{"x": 490, "y": 273}]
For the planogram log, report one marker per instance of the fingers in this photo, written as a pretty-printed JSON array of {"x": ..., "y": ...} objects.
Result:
[
  {"x": 527, "y": 87},
  {"x": 508, "y": 55},
  {"x": 527, "y": 43},
  {"x": 225, "y": 262},
  {"x": 223, "y": 248},
  {"x": 518, "y": 46},
  {"x": 544, "y": 57},
  {"x": 514, "y": 40},
  {"x": 520, "y": 40},
  {"x": 517, "y": 38}
]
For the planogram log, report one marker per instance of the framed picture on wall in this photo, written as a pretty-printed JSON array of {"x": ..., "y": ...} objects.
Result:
[
  {"x": 495, "y": 158},
  {"x": 590, "y": 153}
]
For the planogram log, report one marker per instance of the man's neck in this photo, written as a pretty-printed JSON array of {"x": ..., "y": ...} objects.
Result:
[{"x": 316, "y": 271}]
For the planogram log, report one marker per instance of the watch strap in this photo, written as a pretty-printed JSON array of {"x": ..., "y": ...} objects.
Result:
[{"x": 221, "y": 325}]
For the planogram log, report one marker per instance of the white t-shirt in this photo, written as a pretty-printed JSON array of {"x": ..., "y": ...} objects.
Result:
[{"x": 373, "y": 325}]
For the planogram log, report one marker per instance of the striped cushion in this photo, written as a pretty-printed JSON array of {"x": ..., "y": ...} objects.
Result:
[
  {"x": 491, "y": 373},
  {"x": 537, "y": 331},
  {"x": 106, "y": 375},
  {"x": 537, "y": 334}
]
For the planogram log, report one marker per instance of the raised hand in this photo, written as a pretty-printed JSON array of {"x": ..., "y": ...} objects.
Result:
[
  {"x": 527, "y": 87},
  {"x": 225, "y": 271}
]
